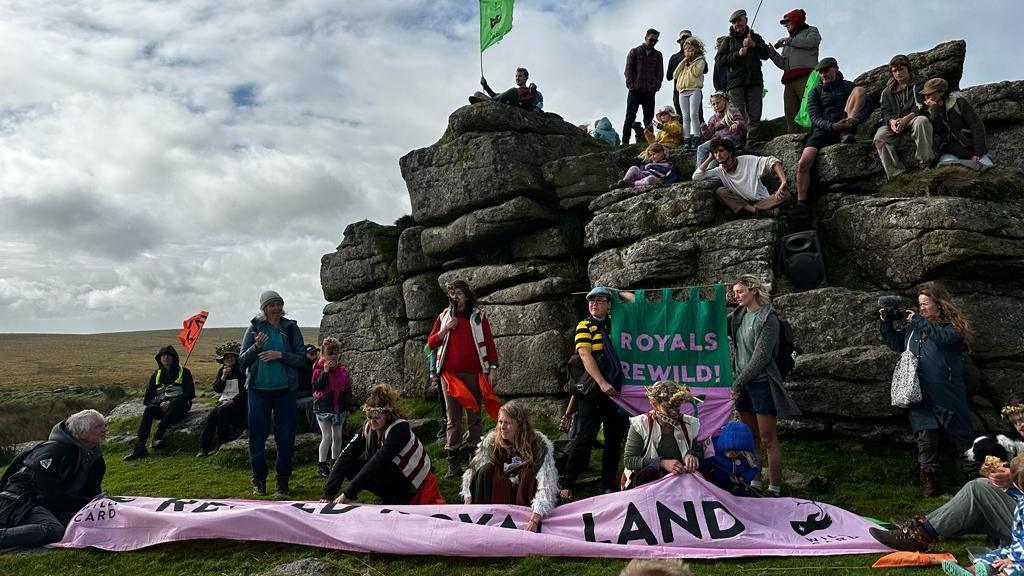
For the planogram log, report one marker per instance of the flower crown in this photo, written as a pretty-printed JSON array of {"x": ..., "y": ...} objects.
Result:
[{"x": 1013, "y": 412}]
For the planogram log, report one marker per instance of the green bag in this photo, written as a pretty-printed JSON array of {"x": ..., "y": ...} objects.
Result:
[{"x": 802, "y": 117}]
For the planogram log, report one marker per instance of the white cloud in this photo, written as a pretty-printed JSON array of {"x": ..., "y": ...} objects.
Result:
[{"x": 136, "y": 191}]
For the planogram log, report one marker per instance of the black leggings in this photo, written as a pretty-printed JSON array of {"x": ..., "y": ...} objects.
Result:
[
  {"x": 176, "y": 410},
  {"x": 220, "y": 422},
  {"x": 591, "y": 413}
]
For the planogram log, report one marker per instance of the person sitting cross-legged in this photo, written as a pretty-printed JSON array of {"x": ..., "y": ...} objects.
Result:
[
  {"x": 514, "y": 464},
  {"x": 655, "y": 170},
  {"x": 742, "y": 189}
]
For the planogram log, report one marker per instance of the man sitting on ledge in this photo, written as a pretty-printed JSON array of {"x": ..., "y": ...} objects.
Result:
[
  {"x": 742, "y": 189},
  {"x": 45, "y": 485},
  {"x": 520, "y": 96}
]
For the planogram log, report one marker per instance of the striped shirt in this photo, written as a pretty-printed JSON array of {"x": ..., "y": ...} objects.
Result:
[{"x": 588, "y": 335}]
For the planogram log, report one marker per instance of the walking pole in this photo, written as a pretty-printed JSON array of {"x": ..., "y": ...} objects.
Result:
[{"x": 751, "y": 25}]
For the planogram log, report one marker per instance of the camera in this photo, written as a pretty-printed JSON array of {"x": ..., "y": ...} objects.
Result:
[{"x": 890, "y": 305}]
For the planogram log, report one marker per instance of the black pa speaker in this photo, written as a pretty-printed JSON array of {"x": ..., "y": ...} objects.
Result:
[{"x": 803, "y": 260}]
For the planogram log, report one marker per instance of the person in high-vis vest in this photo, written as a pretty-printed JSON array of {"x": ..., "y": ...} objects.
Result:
[
  {"x": 168, "y": 398},
  {"x": 467, "y": 363}
]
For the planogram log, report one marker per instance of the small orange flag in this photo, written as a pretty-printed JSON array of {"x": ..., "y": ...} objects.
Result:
[{"x": 193, "y": 325}]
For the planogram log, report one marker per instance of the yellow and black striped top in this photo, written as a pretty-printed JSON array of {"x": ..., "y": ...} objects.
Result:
[{"x": 589, "y": 336}]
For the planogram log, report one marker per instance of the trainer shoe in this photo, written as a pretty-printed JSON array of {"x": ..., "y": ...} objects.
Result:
[{"x": 259, "y": 487}]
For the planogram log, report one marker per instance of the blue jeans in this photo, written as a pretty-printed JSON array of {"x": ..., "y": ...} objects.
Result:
[
  {"x": 703, "y": 151},
  {"x": 261, "y": 404}
]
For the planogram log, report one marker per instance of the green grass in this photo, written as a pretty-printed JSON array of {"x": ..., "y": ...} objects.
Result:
[{"x": 873, "y": 480}]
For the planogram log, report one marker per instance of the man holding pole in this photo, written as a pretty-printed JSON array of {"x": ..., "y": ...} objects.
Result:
[
  {"x": 168, "y": 398},
  {"x": 742, "y": 54}
]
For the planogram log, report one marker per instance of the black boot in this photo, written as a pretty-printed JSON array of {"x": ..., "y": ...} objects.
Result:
[
  {"x": 139, "y": 451},
  {"x": 282, "y": 487},
  {"x": 323, "y": 469},
  {"x": 158, "y": 438},
  {"x": 259, "y": 486},
  {"x": 454, "y": 465}
]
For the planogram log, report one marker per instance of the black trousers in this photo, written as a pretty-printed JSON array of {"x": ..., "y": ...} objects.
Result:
[
  {"x": 634, "y": 101},
  {"x": 389, "y": 485},
  {"x": 220, "y": 422},
  {"x": 176, "y": 410},
  {"x": 591, "y": 414}
]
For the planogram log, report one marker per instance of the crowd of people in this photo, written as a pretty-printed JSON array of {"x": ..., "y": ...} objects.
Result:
[{"x": 272, "y": 380}]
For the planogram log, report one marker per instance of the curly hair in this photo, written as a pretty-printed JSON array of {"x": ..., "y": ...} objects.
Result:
[
  {"x": 522, "y": 443},
  {"x": 383, "y": 398},
  {"x": 330, "y": 347},
  {"x": 696, "y": 43},
  {"x": 947, "y": 310},
  {"x": 670, "y": 567}
]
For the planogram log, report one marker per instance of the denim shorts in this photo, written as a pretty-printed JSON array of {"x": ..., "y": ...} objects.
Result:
[
  {"x": 756, "y": 397},
  {"x": 336, "y": 419}
]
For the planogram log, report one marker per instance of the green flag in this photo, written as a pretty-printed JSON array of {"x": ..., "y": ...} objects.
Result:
[{"x": 495, "y": 21}]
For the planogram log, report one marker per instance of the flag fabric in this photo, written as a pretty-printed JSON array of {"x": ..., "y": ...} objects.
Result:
[
  {"x": 803, "y": 118},
  {"x": 192, "y": 326},
  {"x": 495, "y": 21},
  {"x": 683, "y": 341}
]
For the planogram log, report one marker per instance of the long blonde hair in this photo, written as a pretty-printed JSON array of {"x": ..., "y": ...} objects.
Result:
[
  {"x": 727, "y": 118},
  {"x": 947, "y": 310},
  {"x": 522, "y": 442},
  {"x": 755, "y": 285}
]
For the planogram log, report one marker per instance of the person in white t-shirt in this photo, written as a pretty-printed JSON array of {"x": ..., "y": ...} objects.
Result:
[{"x": 742, "y": 189}]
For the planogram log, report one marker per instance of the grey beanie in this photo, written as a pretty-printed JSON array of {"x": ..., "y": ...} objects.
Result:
[{"x": 269, "y": 296}]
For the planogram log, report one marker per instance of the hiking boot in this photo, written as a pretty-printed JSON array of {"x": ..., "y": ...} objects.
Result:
[
  {"x": 443, "y": 431},
  {"x": 158, "y": 439},
  {"x": 323, "y": 469},
  {"x": 766, "y": 213},
  {"x": 202, "y": 453},
  {"x": 929, "y": 484},
  {"x": 908, "y": 537},
  {"x": 259, "y": 487},
  {"x": 282, "y": 487},
  {"x": 617, "y": 185},
  {"x": 454, "y": 465},
  {"x": 139, "y": 451}
]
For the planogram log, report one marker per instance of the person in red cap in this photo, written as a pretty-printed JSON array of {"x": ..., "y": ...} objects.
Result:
[{"x": 799, "y": 57}]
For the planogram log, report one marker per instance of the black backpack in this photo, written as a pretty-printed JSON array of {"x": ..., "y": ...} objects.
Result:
[{"x": 785, "y": 358}]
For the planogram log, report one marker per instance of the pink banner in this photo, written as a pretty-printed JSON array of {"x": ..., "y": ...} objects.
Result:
[{"x": 680, "y": 516}]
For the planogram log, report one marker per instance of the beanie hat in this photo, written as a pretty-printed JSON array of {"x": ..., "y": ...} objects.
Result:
[
  {"x": 798, "y": 17},
  {"x": 735, "y": 436},
  {"x": 269, "y": 296}
]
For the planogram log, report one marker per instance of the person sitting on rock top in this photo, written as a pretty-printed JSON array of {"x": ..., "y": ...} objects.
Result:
[
  {"x": 742, "y": 189},
  {"x": 727, "y": 122},
  {"x": 514, "y": 464},
  {"x": 602, "y": 130},
  {"x": 655, "y": 169},
  {"x": 520, "y": 96},
  {"x": 168, "y": 398},
  {"x": 663, "y": 440},
  {"x": 981, "y": 506},
  {"x": 467, "y": 363},
  {"x": 332, "y": 393},
  {"x": 669, "y": 130},
  {"x": 836, "y": 107},
  {"x": 959, "y": 131},
  {"x": 385, "y": 458},
  {"x": 734, "y": 464},
  {"x": 230, "y": 411},
  {"x": 903, "y": 113}
]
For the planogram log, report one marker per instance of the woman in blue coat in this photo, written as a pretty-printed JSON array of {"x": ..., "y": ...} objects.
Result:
[{"x": 938, "y": 334}]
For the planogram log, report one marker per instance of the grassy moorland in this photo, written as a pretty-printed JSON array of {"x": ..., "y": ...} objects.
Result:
[{"x": 868, "y": 478}]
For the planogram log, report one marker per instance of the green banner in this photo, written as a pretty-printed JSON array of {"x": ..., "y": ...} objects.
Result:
[
  {"x": 495, "y": 21},
  {"x": 686, "y": 342}
]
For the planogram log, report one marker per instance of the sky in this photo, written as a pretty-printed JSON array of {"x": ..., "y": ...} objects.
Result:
[{"x": 158, "y": 157}]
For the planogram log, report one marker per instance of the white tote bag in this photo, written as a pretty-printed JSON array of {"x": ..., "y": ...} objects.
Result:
[{"x": 906, "y": 389}]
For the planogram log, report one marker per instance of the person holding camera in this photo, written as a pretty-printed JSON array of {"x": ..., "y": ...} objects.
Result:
[
  {"x": 467, "y": 364},
  {"x": 938, "y": 334}
]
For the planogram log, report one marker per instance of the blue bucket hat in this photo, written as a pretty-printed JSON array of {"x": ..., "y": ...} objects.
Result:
[{"x": 599, "y": 291}]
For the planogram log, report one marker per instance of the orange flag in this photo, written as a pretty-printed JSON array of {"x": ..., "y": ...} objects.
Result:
[{"x": 193, "y": 325}]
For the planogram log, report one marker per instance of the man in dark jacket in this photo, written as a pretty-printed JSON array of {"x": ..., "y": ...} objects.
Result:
[
  {"x": 903, "y": 113},
  {"x": 674, "y": 61},
  {"x": 836, "y": 107},
  {"x": 959, "y": 132},
  {"x": 742, "y": 54},
  {"x": 45, "y": 485},
  {"x": 798, "y": 58},
  {"x": 644, "y": 72},
  {"x": 168, "y": 398}
]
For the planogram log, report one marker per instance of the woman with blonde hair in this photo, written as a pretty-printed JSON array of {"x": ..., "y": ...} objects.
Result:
[
  {"x": 515, "y": 464},
  {"x": 727, "y": 122},
  {"x": 385, "y": 458},
  {"x": 938, "y": 334},
  {"x": 754, "y": 332},
  {"x": 689, "y": 79}
]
